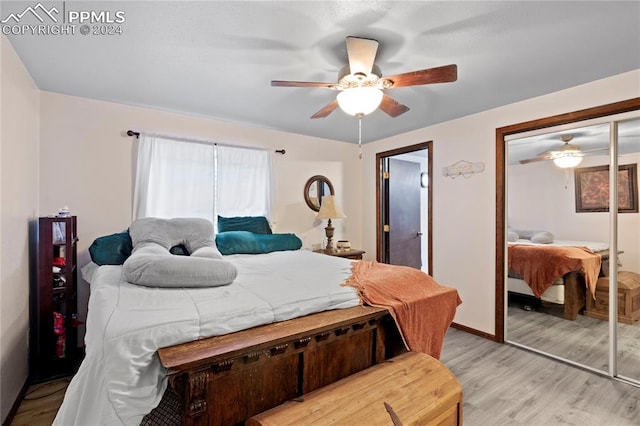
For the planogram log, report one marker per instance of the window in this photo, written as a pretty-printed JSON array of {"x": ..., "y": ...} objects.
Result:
[{"x": 176, "y": 178}]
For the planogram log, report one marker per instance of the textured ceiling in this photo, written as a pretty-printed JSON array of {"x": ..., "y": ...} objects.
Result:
[{"x": 216, "y": 59}]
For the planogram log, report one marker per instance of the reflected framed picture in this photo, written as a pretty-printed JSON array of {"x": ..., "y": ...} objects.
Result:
[{"x": 592, "y": 189}]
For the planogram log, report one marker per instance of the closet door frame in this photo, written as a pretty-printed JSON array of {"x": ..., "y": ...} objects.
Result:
[{"x": 502, "y": 134}]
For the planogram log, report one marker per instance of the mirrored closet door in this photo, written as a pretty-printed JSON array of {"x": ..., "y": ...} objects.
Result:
[
  {"x": 566, "y": 250},
  {"x": 628, "y": 276}
]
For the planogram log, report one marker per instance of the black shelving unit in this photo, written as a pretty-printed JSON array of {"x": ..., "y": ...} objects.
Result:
[{"x": 54, "y": 301}]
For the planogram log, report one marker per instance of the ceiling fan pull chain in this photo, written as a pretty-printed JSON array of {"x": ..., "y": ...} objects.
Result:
[{"x": 360, "y": 135}]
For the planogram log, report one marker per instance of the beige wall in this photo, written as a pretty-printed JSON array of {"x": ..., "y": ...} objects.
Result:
[
  {"x": 87, "y": 164},
  {"x": 18, "y": 201},
  {"x": 464, "y": 209}
]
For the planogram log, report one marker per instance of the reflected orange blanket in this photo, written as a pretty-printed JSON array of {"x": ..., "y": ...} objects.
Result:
[
  {"x": 422, "y": 308},
  {"x": 540, "y": 266}
]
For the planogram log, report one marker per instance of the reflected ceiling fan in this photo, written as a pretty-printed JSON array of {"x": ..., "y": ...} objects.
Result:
[
  {"x": 567, "y": 155},
  {"x": 361, "y": 83}
]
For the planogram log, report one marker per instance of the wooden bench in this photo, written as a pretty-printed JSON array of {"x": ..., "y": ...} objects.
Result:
[{"x": 409, "y": 389}]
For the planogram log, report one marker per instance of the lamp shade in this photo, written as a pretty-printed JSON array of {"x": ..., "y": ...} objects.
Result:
[
  {"x": 567, "y": 160},
  {"x": 359, "y": 100},
  {"x": 329, "y": 209}
]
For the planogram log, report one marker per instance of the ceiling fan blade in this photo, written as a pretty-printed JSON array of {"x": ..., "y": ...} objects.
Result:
[
  {"x": 444, "y": 74},
  {"x": 281, "y": 83},
  {"x": 362, "y": 54},
  {"x": 326, "y": 110},
  {"x": 392, "y": 107},
  {"x": 547, "y": 153},
  {"x": 604, "y": 148},
  {"x": 534, "y": 159}
]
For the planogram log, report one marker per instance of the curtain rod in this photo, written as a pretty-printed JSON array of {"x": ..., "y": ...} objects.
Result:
[{"x": 137, "y": 135}]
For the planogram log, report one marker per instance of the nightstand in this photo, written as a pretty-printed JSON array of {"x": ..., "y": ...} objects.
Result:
[{"x": 347, "y": 254}]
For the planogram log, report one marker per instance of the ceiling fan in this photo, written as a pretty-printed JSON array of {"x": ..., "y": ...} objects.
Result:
[
  {"x": 567, "y": 155},
  {"x": 362, "y": 80}
]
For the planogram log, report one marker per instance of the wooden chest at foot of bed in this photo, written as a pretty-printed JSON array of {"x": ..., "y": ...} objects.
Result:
[
  {"x": 628, "y": 298},
  {"x": 410, "y": 389},
  {"x": 226, "y": 379}
]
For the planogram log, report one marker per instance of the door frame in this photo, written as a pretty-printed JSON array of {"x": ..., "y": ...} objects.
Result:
[
  {"x": 502, "y": 132},
  {"x": 428, "y": 146}
]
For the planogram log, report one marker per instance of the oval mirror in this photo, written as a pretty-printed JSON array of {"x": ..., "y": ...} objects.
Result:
[{"x": 317, "y": 187}]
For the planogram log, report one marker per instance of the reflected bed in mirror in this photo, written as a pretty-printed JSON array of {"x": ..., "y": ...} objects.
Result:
[{"x": 317, "y": 187}]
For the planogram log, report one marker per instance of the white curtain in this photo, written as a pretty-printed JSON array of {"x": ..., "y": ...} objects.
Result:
[
  {"x": 176, "y": 178},
  {"x": 243, "y": 182}
]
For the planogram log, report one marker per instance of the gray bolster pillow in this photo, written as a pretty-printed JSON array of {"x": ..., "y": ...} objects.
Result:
[
  {"x": 539, "y": 237},
  {"x": 151, "y": 264}
]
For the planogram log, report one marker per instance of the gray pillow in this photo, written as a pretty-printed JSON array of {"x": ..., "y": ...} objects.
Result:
[
  {"x": 542, "y": 237},
  {"x": 151, "y": 264},
  {"x": 192, "y": 233},
  {"x": 525, "y": 234},
  {"x": 539, "y": 237},
  {"x": 512, "y": 236}
]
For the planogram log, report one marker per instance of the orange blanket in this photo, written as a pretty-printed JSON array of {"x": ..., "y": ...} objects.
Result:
[
  {"x": 422, "y": 308},
  {"x": 540, "y": 266}
]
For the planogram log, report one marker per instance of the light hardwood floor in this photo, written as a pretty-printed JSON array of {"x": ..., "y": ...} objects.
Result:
[
  {"x": 585, "y": 340},
  {"x": 41, "y": 403},
  {"x": 505, "y": 385},
  {"x": 502, "y": 385}
]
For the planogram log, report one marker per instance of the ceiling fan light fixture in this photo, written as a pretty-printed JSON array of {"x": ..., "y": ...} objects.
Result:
[
  {"x": 359, "y": 101},
  {"x": 568, "y": 160}
]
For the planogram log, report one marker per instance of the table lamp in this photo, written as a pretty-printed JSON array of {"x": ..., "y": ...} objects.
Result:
[{"x": 329, "y": 210}]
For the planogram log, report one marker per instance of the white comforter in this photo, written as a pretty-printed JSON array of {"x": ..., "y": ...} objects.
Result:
[{"x": 121, "y": 379}]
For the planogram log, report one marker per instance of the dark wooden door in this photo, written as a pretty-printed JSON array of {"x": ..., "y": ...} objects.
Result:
[{"x": 405, "y": 238}]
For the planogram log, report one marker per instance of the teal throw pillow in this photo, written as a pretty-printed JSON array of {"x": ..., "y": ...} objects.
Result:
[
  {"x": 255, "y": 224},
  {"x": 179, "y": 250},
  {"x": 243, "y": 242},
  {"x": 111, "y": 249}
]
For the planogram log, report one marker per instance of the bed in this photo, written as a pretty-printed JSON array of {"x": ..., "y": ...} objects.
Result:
[
  {"x": 284, "y": 327},
  {"x": 566, "y": 275}
]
